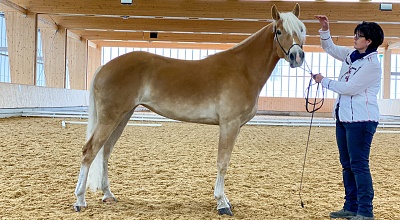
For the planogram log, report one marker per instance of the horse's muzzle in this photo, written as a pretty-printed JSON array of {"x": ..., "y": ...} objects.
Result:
[{"x": 296, "y": 58}]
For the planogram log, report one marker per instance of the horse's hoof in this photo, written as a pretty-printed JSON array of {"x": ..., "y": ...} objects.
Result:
[
  {"x": 109, "y": 200},
  {"x": 77, "y": 208},
  {"x": 225, "y": 211}
]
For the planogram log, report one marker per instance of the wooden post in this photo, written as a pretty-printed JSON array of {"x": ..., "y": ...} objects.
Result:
[
  {"x": 94, "y": 62},
  {"x": 386, "y": 73},
  {"x": 77, "y": 61},
  {"x": 54, "y": 56}
]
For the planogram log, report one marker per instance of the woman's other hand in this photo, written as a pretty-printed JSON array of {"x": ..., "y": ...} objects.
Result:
[{"x": 323, "y": 20}]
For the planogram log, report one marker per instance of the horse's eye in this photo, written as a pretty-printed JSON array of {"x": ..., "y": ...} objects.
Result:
[
  {"x": 301, "y": 30},
  {"x": 279, "y": 32}
]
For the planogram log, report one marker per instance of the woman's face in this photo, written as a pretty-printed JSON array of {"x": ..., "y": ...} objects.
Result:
[{"x": 360, "y": 43}]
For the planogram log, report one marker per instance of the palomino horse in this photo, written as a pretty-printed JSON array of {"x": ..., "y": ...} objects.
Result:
[{"x": 221, "y": 89}]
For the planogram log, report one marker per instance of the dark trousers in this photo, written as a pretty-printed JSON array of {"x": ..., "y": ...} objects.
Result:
[{"x": 354, "y": 143}]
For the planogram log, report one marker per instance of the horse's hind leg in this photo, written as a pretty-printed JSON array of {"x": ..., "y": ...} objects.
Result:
[
  {"x": 228, "y": 134},
  {"x": 108, "y": 147},
  {"x": 100, "y": 135}
]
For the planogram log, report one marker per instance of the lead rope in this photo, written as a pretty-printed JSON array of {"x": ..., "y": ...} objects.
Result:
[{"x": 316, "y": 105}]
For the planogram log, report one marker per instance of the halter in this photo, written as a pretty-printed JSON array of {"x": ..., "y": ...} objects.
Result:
[{"x": 283, "y": 49}]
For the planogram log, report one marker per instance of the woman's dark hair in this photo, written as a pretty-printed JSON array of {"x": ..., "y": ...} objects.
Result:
[{"x": 371, "y": 31}]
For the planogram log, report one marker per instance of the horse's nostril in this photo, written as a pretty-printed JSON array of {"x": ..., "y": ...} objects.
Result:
[
  {"x": 291, "y": 56},
  {"x": 302, "y": 55}
]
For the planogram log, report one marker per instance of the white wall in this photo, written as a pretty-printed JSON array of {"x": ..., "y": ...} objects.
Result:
[
  {"x": 26, "y": 96},
  {"x": 389, "y": 106}
]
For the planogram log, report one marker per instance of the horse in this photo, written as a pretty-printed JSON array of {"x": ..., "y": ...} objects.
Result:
[{"x": 221, "y": 89}]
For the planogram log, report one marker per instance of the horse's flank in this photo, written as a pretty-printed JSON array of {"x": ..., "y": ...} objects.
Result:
[{"x": 225, "y": 84}]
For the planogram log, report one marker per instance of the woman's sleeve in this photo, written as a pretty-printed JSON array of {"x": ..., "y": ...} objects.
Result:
[
  {"x": 338, "y": 52},
  {"x": 367, "y": 75}
]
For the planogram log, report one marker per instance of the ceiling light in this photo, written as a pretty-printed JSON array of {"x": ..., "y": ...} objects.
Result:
[
  {"x": 126, "y": 2},
  {"x": 385, "y": 7}
]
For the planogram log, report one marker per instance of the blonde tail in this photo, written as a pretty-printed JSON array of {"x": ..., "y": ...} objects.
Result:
[{"x": 95, "y": 176}]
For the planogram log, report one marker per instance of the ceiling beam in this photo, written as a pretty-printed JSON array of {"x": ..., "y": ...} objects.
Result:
[
  {"x": 343, "y": 11},
  {"x": 73, "y": 35},
  {"x": 45, "y": 21},
  {"x": 183, "y": 37},
  {"x": 12, "y": 6},
  {"x": 204, "y": 39},
  {"x": 162, "y": 44},
  {"x": 176, "y": 37},
  {"x": 200, "y": 38},
  {"x": 149, "y": 24},
  {"x": 196, "y": 25}
]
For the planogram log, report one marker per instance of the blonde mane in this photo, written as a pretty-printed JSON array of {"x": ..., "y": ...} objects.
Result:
[{"x": 292, "y": 24}]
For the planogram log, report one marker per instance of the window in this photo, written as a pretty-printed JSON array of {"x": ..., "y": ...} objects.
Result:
[
  {"x": 40, "y": 76},
  {"x": 284, "y": 81},
  {"x": 109, "y": 53},
  {"x": 395, "y": 77},
  {"x": 4, "y": 62}
]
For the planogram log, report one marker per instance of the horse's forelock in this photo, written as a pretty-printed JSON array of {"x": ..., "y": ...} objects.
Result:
[{"x": 292, "y": 24}]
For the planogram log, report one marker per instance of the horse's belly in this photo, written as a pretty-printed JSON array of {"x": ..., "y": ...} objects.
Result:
[{"x": 188, "y": 113}]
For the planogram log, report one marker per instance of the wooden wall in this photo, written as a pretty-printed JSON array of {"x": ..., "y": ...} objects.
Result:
[
  {"x": 94, "y": 61},
  {"x": 21, "y": 39},
  {"x": 77, "y": 58},
  {"x": 59, "y": 51},
  {"x": 278, "y": 104},
  {"x": 54, "y": 54}
]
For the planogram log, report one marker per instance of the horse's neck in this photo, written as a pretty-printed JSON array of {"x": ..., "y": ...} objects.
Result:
[{"x": 258, "y": 54}]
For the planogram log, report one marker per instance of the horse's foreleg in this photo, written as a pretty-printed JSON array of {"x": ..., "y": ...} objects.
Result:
[
  {"x": 228, "y": 134},
  {"x": 108, "y": 147},
  {"x": 89, "y": 152}
]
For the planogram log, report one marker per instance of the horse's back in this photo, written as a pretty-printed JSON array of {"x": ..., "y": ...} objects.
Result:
[{"x": 166, "y": 75}]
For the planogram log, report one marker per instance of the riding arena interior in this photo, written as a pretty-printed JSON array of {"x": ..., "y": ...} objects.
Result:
[{"x": 201, "y": 110}]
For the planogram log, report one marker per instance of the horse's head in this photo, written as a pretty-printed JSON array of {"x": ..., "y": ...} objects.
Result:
[{"x": 290, "y": 35}]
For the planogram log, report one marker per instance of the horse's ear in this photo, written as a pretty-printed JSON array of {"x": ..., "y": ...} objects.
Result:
[
  {"x": 296, "y": 10},
  {"x": 275, "y": 13}
]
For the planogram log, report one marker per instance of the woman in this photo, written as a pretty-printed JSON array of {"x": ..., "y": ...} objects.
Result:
[{"x": 356, "y": 112}]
